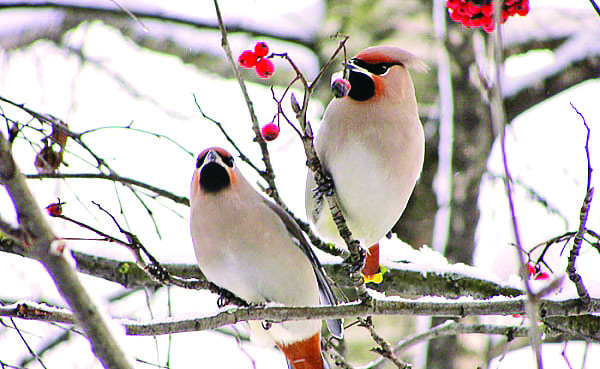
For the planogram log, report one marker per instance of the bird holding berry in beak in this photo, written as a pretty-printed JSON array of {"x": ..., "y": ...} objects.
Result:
[
  {"x": 371, "y": 144},
  {"x": 254, "y": 249}
]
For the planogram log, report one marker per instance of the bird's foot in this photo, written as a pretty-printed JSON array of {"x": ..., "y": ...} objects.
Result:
[
  {"x": 325, "y": 187},
  {"x": 355, "y": 263}
]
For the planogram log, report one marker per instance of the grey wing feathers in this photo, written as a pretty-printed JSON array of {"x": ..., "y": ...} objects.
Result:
[{"x": 326, "y": 292}]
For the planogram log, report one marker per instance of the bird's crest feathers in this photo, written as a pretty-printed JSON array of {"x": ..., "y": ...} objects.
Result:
[{"x": 392, "y": 54}]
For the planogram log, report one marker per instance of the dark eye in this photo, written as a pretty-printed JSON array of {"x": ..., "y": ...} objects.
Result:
[
  {"x": 200, "y": 159},
  {"x": 228, "y": 160},
  {"x": 375, "y": 68},
  {"x": 380, "y": 69}
]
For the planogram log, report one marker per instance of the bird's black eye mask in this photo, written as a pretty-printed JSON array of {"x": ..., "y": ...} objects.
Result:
[
  {"x": 227, "y": 159},
  {"x": 375, "y": 68}
]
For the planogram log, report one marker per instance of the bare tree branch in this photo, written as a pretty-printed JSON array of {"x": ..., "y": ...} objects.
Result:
[
  {"x": 547, "y": 309},
  {"x": 115, "y": 178},
  {"x": 40, "y": 242}
]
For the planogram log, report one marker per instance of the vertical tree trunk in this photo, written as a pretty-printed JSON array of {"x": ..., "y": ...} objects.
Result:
[{"x": 472, "y": 144}]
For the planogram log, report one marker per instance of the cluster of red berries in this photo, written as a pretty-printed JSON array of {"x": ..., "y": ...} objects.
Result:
[
  {"x": 480, "y": 13},
  {"x": 536, "y": 272},
  {"x": 257, "y": 59}
]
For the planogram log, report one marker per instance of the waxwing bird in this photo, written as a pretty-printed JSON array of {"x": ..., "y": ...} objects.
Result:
[
  {"x": 253, "y": 248},
  {"x": 371, "y": 144}
]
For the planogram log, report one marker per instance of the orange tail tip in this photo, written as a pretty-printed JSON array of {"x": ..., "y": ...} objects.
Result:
[
  {"x": 371, "y": 271},
  {"x": 304, "y": 354}
]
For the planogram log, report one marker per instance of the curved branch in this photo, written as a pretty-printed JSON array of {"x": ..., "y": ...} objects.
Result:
[{"x": 115, "y": 178}]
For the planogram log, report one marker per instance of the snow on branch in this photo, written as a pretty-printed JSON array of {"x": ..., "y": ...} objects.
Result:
[
  {"x": 557, "y": 312},
  {"x": 40, "y": 242}
]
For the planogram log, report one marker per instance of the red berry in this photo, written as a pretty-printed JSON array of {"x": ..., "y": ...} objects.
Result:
[
  {"x": 523, "y": 8},
  {"x": 478, "y": 22},
  {"x": 247, "y": 59},
  {"x": 455, "y": 16},
  {"x": 488, "y": 9},
  {"x": 452, "y": 4},
  {"x": 531, "y": 271},
  {"x": 489, "y": 26},
  {"x": 54, "y": 209},
  {"x": 265, "y": 68},
  {"x": 473, "y": 8},
  {"x": 340, "y": 87},
  {"x": 270, "y": 131},
  {"x": 261, "y": 49}
]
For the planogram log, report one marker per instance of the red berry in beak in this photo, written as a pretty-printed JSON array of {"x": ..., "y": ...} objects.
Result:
[
  {"x": 261, "y": 49},
  {"x": 265, "y": 68},
  {"x": 247, "y": 59},
  {"x": 340, "y": 87},
  {"x": 270, "y": 131}
]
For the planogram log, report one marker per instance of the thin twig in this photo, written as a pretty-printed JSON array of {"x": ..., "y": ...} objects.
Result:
[
  {"x": 384, "y": 349},
  {"x": 596, "y": 8},
  {"x": 583, "y": 215},
  {"x": 228, "y": 138},
  {"x": 268, "y": 174},
  {"x": 31, "y": 351},
  {"x": 154, "y": 268},
  {"x": 338, "y": 359},
  {"x": 115, "y": 178},
  {"x": 447, "y": 328}
]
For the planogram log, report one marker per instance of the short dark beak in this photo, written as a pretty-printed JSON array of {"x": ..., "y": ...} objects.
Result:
[{"x": 211, "y": 157}]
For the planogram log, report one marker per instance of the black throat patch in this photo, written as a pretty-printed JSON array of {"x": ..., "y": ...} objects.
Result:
[
  {"x": 214, "y": 178},
  {"x": 362, "y": 86}
]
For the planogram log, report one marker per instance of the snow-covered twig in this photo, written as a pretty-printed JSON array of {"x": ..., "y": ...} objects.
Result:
[
  {"x": 398, "y": 281},
  {"x": 550, "y": 309}
]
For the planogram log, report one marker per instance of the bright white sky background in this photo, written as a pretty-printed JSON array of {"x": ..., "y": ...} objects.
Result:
[{"x": 545, "y": 148}]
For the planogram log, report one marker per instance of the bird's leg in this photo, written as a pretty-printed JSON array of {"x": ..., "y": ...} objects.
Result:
[
  {"x": 371, "y": 271},
  {"x": 324, "y": 187},
  {"x": 354, "y": 264}
]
